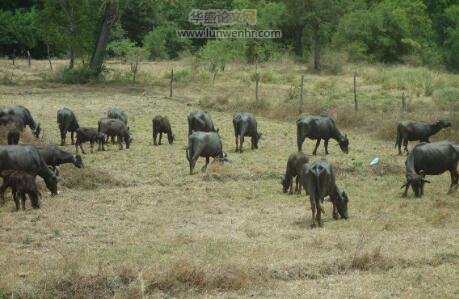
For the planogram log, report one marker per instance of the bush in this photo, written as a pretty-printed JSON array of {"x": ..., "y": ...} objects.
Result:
[
  {"x": 447, "y": 97},
  {"x": 80, "y": 75}
]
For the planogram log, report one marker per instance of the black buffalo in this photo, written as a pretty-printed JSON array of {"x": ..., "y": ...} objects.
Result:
[
  {"x": 320, "y": 127},
  {"x": 27, "y": 158},
  {"x": 245, "y": 124},
  {"x": 318, "y": 179},
  {"x": 21, "y": 184},
  {"x": 412, "y": 130},
  {"x": 26, "y": 117},
  {"x": 294, "y": 166},
  {"x": 431, "y": 159},
  {"x": 115, "y": 128},
  {"x": 204, "y": 144},
  {"x": 91, "y": 135},
  {"x": 160, "y": 125},
  {"x": 54, "y": 156},
  {"x": 67, "y": 123},
  {"x": 116, "y": 113},
  {"x": 200, "y": 121}
]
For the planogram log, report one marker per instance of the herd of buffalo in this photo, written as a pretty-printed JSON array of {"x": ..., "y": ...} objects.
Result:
[{"x": 21, "y": 163}]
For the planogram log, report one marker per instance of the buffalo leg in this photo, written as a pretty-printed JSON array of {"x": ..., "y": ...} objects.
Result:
[
  {"x": 326, "y": 146},
  {"x": 319, "y": 214},
  {"x": 63, "y": 133},
  {"x": 241, "y": 143},
  {"x": 81, "y": 147},
  {"x": 155, "y": 134},
  {"x": 71, "y": 136},
  {"x": 92, "y": 147},
  {"x": 192, "y": 164},
  {"x": 317, "y": 145},
  {"x": 405, "y": 145},
  {"x": 120, "y": 142},
  {"x": 204, "y": 168},
  {"x": 16, "y": 200},
  {"x": 313, "y": 210},
  {"x": 291, "y": 186},
  {"x": 160, "y": 138},
  {"x": 2, "y": 193},
  {"x": 454, "y": 179},
  {"x": 237, "y": 143},
  {"x": 23, "y": 200},
  {"x": 405, "y": 194},
  {"x": 335, "y": 211},
  {"x": 297, "y": 191}
]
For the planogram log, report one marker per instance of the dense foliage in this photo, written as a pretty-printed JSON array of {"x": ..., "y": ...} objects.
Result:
[{"x": 389, "y": 31}]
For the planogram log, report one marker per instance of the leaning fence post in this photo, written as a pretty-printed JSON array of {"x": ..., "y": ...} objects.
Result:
[
  {"x": 356, "y": 103},
  {"x": 170, "y": 83},
  {"x": 257, "y": 80},
  {"x": 301, "y": 94}
]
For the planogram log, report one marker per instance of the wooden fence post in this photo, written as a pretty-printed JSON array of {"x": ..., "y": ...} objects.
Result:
[
  {"x": 14, "y": 55},
  {"x": 170, "y": 83},
  {"x": 404, "y": 104},
  {"x": 356, "y": 103},
  {"x": 301, "y": 94},
  {"x": 28, "y": 58},
  {"x": 257, "y": 80}
]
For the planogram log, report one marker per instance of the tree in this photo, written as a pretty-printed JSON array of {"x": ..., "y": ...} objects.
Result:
[
  {"x": 451, "y": 45},
  {"x": 129, "y": 53},
  {"x": 105, "y": 27},
  {"x": 317, "y": 16}
]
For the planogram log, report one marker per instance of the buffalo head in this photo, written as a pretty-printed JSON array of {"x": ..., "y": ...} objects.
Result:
[
  {"x": 77, "y": 161},
  {"x": 443, "y": 123},
  {"x": 37, "y": 131},
  {"x": 256, "y": 139},
  {"x": 416, "y": 181},
  {"x": 51, "y": 184},
  {"x": 170, "y": 138},
  {"x": 285, "y": 185},
  {"x": 344, "y": 144},
  {"x": 341, "y": 204}
]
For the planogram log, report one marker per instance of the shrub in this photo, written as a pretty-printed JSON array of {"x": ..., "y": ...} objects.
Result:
[
  {"x": 80, "y": 75},
  {"x": 447, "y": 97}
]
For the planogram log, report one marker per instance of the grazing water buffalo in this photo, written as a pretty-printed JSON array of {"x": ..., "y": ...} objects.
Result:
[
  {"x": 115, "y": 128},
  {"x": 245, "y": 124},
  {"x": 320, "y": 127},
  {"x": 54, "y": 156},
  {"x": 162, "y": 125},
  {"x": 24, "y": 114},
  {"x": 431, "y": 159},
  {"x": 67, "y": 123},
  {"x": 318, "y": 179},
  {"x": 21, "y": 183},
  {"x": 116, "y": 113},
  {"x": 204, "y": 144},
  {"x": 411, "y": 131},
  {"x": 91, "y": 135},
  {"x": 200, "y": 121},
  {"x": 27, "y": 158},
  {"x": 294, "y": 166}
]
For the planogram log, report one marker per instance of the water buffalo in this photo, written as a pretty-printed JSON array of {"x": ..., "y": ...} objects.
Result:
[
  {"x": 115, "y": 128},
  {"x": 245, "y": 124},
  {"x": 320, "y": 127},
  {"x": 318, "y": 179},
  {"x": 67, "y": 123},
  {"x": 21, "y": 184},
  {"x": 91, "y": 135},
  {"x": 24, "y": 114},
  {"x": 27, "y": 158},
  {"x": 204, "y": 144},
  {"x": 431, "y": 159},
  {"x": 411, "y": 131},
  {"x": 200, "y": 121},
  {"x": 116, "y": 113},
  {"x": 54, "y": 156},
  {"x": 294, "y": 166},
  {"x": 162, "y": 125}
]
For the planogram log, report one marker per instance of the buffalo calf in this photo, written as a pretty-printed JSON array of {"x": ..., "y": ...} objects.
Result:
[
  {"x": 204, "y": 144},
  {"x": 162, "y": 125},
  {"x": 91, "y": 135},
  {"x": 294, "y": 166},
  {"x": 245, "y": 124},
  {"x": 67, "y": 123},
  {"x": 21, "y": 184}
]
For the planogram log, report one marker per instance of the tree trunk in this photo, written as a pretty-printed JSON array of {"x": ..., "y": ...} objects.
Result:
[
  {"x": 316, "y": 45},
  {"x": 14, "y": 55},
  {"x": 72, "y": 58},
  {"x": 299, "y": 40},
  {"x": 97, "y": 58}
]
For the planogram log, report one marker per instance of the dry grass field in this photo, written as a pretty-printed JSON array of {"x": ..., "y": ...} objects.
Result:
[{"x": 135, "y": 224}]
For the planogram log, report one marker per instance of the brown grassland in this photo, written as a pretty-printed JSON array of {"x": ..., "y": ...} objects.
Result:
[{"x": 135, "y": 224}]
